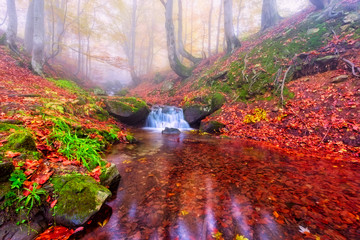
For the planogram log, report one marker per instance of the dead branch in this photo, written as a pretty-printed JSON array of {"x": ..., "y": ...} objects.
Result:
[
  {"x": 283, "y": 84},
  {"x": 327, "y": 132},
  {"x": 276, "y": 81},
  {"x": 245, "y": 65},
  {"x": 352, "y": 65}
]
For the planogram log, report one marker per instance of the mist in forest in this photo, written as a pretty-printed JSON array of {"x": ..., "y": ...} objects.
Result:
[{"x": 114, "y": 43}]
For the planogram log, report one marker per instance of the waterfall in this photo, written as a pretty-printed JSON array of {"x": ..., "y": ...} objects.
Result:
[{"x": 166, "y": 116}]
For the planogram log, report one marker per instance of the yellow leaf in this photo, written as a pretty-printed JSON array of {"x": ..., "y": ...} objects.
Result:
[
  {"x": 184, "y": 212},
  {"x": 276, "y": 214},
  {"x": 238, "y": 237},
  {"x": 103, "y": 223}
]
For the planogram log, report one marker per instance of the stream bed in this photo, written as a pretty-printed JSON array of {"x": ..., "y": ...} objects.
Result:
[{"x": 199, "y": 187}]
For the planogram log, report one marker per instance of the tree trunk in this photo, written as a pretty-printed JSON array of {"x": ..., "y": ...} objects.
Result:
[
  {"x": 270, "y": 15},
  {"x": 79, "y": 67},
  {"x": 133, "y": 43},
  {"x": 210, "y": 15},
  {"x": 181, "y": 49},
  {"x": 11, "y": 30},
  {"x": 238, "y": 19},
  {"x": 29, "y": 28},
  {"x": 38, "y": 40},
  {"x": 218, "y": 28},
  {"x": 175, "y": 63},
  {"x": 231, "y": 40},
  {"x": 320, "y": 4}
]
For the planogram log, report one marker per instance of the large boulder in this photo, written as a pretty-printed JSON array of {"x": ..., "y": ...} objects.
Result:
[
  {"x": 200, "y": 108},
  {"x": 110, "y": 177},
  {"x": 129, "y": 110},
  {"x": 80, "y": 197}
]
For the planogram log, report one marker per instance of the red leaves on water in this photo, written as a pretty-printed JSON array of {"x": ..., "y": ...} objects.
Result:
[{"x": 56, "y": 233}]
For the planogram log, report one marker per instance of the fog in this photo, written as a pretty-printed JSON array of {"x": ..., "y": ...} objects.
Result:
[{"x": 99, "y": 41}]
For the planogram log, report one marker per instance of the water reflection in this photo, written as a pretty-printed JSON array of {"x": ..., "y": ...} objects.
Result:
[{"x": 191, "y": 187}]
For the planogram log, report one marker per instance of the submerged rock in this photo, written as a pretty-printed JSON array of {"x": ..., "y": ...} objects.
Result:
[
  {"x": 80, "y": 197},
  {"x": 129, "y": 110},
  {"x": 170, "y": 131}
]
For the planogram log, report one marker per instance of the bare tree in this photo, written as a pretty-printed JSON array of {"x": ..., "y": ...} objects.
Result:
[
  {"x": 37, "y": 59},
  {"x": 133, "y": 42},
  {"x": 175, "y": 63},
  {"x": 320, "y": 4},
  {"x": 11, "y": 30},
  {"x": 232, "y": 42},
  {"x": 270, "y": 15},
  {"x": 218, "y": 27},
  {"x": 181, "y": 49},
  {"x": 29, "y": 28},
  {"x": 210, "y": 15}
]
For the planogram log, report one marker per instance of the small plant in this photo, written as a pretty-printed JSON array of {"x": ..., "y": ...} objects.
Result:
[
  {"x": 17, "y": 179},
  {"x": 85, "y": 150},
  {"x": 33, "y": 197},
  {"x": 258, "y": 115}
]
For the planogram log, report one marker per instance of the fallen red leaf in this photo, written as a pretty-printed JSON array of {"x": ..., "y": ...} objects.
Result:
[
  {"x": 10, "y": 154},
  {"x": 56, "y": 233},
  {"x": 53, "y": 203}
]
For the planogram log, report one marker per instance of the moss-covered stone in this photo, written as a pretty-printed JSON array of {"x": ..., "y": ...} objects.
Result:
[
  {"x": 6, "y": 168},
  {"x": 211, "y": 126},
  {"x": 99, "y": 91},
  {"x": 128, "y": 110},
  {"x": 202, "y": 107},
  {"x": 80, "y": 197},
  {"x": 5, "y": 187},
  {"x": 110, "y": 177},
  {"x": 21, "y": 141}
]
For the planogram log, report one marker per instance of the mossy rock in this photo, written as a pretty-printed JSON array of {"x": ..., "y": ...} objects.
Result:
[
  {"x": 6, "y": 168},
  {"x": 211, "y": 126},
  {"x": 122, "y": 93},
  {"x": 5, "y": 187},
  {"x": 129, "y": 110},
  {"x": 202, "y": 108},
  {"x": 21, "y": 141},
  {"x": 99, "y": 91},
  {"x": 80, "y": 197},
  {"x": 110, "y": 177}
]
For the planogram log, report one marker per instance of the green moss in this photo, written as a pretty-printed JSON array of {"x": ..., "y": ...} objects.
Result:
[
  {"x": 4, "y": 127},
  {"x": 122, "y": 92},
  {"x": 217, "y": 100},
  {"x": 68, "y": 85},
  {"x": 130, "y": 104},
  {"x": 21, "y": 141},
  {"x": 77, "y": 196}
]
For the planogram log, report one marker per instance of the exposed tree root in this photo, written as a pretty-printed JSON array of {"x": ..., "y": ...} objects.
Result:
[{"x": 353, "y": 68}]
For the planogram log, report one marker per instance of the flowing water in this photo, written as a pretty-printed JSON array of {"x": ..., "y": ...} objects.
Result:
[
  {"x": 161, "y": 117},
  {"x": 197, "y": 187}
]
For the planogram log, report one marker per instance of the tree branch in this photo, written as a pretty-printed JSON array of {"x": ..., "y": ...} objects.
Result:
[
  {"x": 163, "y": 3},
  {"x": 283, "y": 84},
  {"x": 352, "y": 65}
]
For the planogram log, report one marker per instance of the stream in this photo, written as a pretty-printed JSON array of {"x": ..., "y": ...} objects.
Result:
[{"x": 199, "y": 187}]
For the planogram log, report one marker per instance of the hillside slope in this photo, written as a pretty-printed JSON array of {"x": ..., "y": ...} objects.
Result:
[{"x": 295, "y": 86}]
